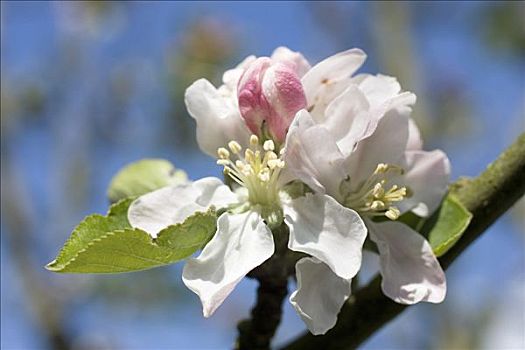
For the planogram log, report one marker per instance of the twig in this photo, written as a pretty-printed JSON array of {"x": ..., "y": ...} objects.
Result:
[{"x": 258, "y": 331}]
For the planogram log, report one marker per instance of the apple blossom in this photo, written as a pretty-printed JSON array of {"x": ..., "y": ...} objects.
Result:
[
  {"x": 349, "y": 139},
  {"x": 318, "y": 226},
  {"x": 364, "y": 150}
]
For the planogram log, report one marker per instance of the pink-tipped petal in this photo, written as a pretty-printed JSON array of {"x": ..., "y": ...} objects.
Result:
[
  {"x": 270, "y": 94},
  {"x": 283, "y": 90},
  {"x": 295, "y": 59},
  {"x": 253, "y": 105}
]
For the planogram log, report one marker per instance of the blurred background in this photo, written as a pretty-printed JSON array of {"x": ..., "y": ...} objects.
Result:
[{"x": 87, "y": 87}]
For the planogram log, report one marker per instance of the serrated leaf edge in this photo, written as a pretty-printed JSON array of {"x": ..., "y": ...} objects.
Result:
[
  {"x": 61, "y": 267},
  {"x": 84, "y": 221}
]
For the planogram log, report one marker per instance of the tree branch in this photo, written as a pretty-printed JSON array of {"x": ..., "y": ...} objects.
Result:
[
  {"x": 258, "y": 331},
  {"x": 487, "y": 197}
]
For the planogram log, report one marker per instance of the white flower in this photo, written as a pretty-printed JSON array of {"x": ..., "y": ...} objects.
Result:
[
  {"x": 358, "y": 145},
  {"x": 354, "y": 125},
  {"x": 318, "y": 225}
]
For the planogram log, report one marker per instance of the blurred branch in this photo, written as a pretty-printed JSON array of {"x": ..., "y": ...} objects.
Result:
[{"x": 487, "y": 196}]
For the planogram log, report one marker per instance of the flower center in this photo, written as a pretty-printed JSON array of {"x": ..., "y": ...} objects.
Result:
[
  {"x": 373, "y": 197},
  {"x": 257, "y": 170}
]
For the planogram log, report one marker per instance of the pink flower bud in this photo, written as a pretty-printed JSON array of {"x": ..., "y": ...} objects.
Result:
[{"x": 270, "y": 94}]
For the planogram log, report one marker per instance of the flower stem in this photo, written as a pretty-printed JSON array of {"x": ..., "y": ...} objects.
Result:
[{"x": 258, "y": 331}]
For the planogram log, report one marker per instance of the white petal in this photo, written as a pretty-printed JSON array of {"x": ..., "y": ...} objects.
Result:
[
  {"x": 217, "y": 116},
  {"x": 378, "y": 89},
  {"x": 170, "y": 205},
  {"x": 415, "y": 142},
  {"x": 284, "y": 54},
  {"x": 348, "y": 118},
  {"x": 312, "y": 155},
  {"x": 411, "y": 272},
  {"x": 323, "y": 228},
  {"x": 231, "y": 77},
  {"x": 331, "y": 70},
  {"x": 325, "y": 97},
  {"x": 242, "y": 242},
  {"x": 427, "y": 177},
  {"x": 319, "y": 296},
  {"x": 387, "y": 144}
]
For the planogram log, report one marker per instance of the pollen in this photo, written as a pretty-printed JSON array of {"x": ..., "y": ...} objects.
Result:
[{"x": 257, "y": 168}]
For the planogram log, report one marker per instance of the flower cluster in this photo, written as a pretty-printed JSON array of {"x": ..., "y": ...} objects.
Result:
[{"x": 349, "y": 138}]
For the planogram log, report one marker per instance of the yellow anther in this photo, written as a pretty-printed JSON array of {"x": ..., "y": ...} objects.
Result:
[
  {"x": 378, "y": 191},
  {"x": 239, "y": 164},
  {"x": 254, "y": 140},
  {"x": 264, "y": 175},
  {"x": 268, "y": 145},
  {"x": 223, "y": 153},
  {"x": 377, "y": 205},
  {"x": 392, "y": 213},
  {"x": 234, "y": 147},
  {"x": 271, "y": 155},
  {"x": 273, "y": 163},
  {"x": 249, "y": 155},
  {"x": 381, "y": 168},
  {"x": 375, "y": 197},
  {"x": 256, "y": 168},
  {"x": 247, "y": 170}
]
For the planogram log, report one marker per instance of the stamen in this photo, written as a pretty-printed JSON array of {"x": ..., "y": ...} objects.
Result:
[
  {"x": 249, "y": 156},
  {"x": 258, "y": 171},
  {"x": 381, "y": 168},
  {"x": 264, "y": 175},
  {"x": 274, "y": 163},
  {"x": 223, "y": 153},
  {"x": 392, "y": 213},
  {"x": 268, "y": 145},
  {"x": 374, "y": 198},
  {"x": 234, "y": 147}
]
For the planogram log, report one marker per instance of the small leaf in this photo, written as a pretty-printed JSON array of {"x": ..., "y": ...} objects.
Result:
[
  {"x": 107, "y": 244},
  {"x": 91, "y": 228},
  {"x": 142, "y": 177},
  {"x": 447, "y": 225}
]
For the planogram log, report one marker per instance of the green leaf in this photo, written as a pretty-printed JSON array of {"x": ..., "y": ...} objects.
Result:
[
  {"x": 142, "y": 177},
  {"x": 447, "y": 225},
  {"x": 107, "y": 244},
  {"x": 91, "y": 228}
]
